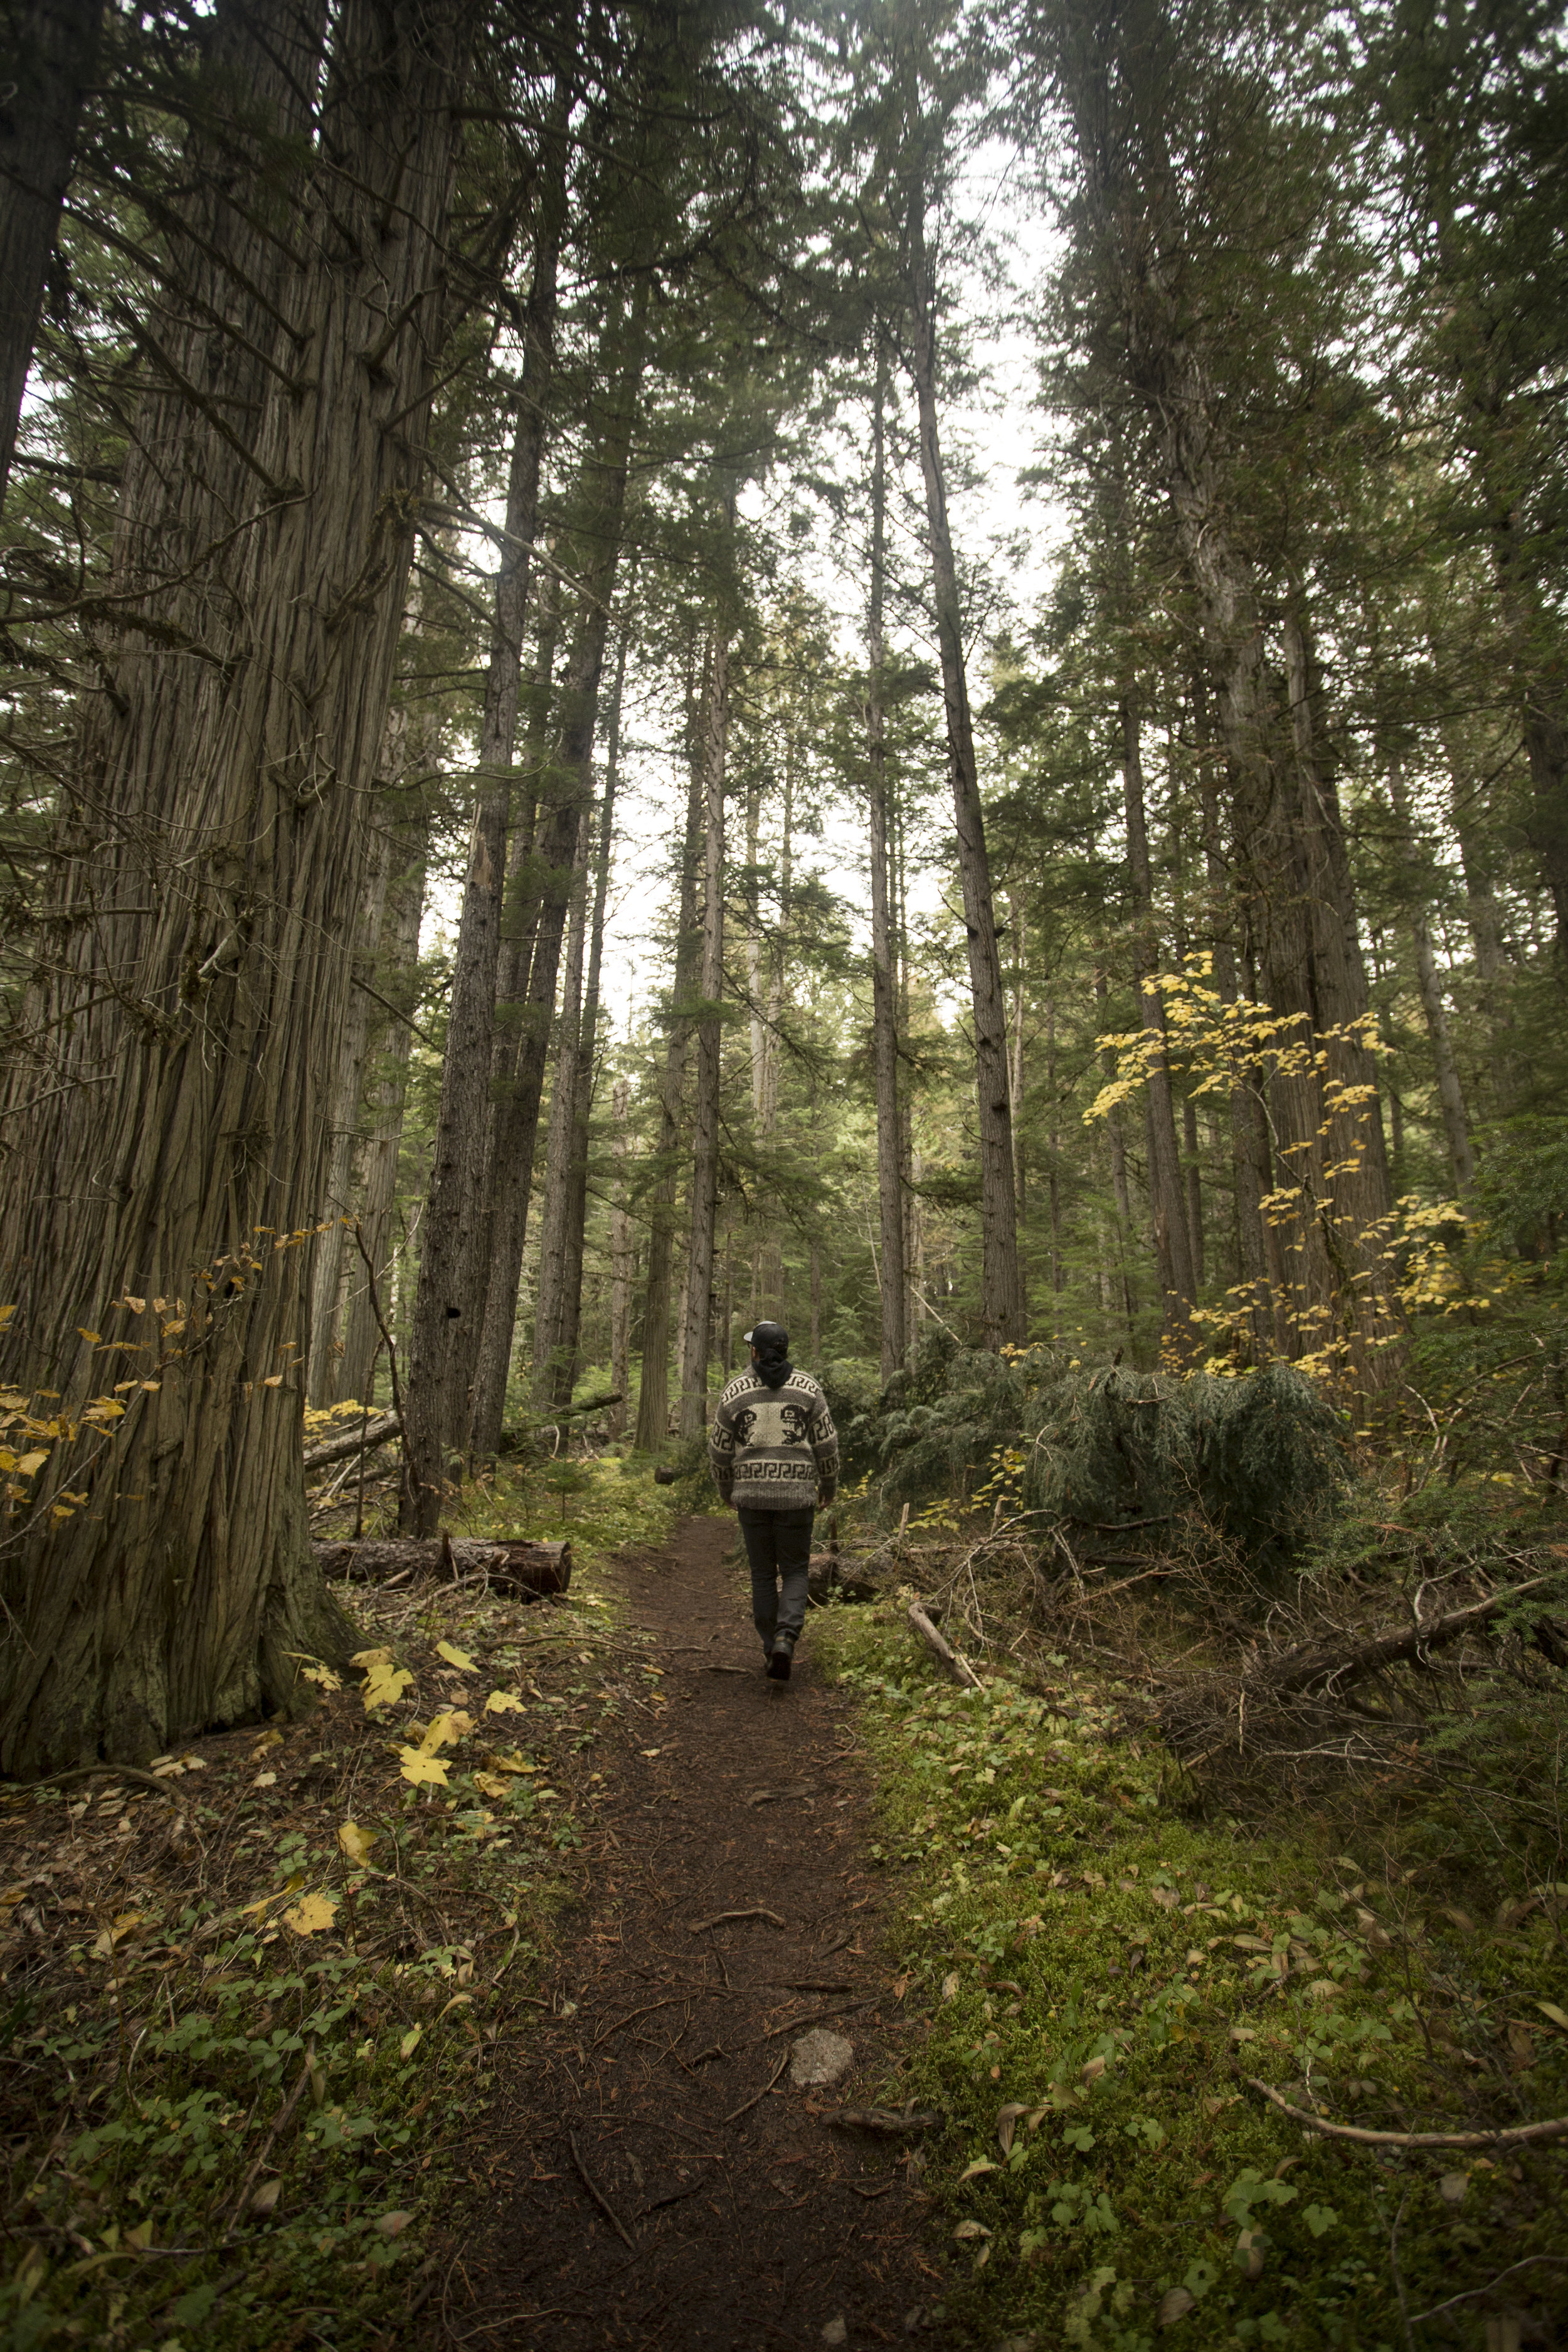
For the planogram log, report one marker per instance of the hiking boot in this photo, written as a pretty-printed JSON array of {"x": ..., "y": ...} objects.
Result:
[{"x": 779, "y": 1660}]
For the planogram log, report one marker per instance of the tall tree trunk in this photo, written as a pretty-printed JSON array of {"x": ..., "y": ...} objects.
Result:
[
  {"x": 1002, "y": 1303},
  {"x": 622, "y": 1261},
  {"x": 709, "y": 1034},
  {"x": 375, "y": 1174},
  {"x": 1117, "y": 1143},
  {"x": 1450, "y": 1092},
  {"x": 653, "y": 1400},
  {"x": 49, "y": 54},
  {"x": 1167, "y": 1208},
  {"x": 588, "y": 1042},
  {"x": 184, "y": 1591},
  {"x": 555, "y": 1210},
  {"x": 515, "y": 1129},
  {"x": 449, "y": 1305},
  {"x": 891, "y": 1276}
]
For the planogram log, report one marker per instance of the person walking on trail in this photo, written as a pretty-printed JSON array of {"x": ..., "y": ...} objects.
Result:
[{"x": 774, "y": 1452}]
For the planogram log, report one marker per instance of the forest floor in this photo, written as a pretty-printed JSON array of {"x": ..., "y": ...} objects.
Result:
[{"x": 666, "y": 2183}]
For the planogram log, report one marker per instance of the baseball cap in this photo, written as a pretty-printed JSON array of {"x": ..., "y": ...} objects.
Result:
[{"x": 767, "y": 1338}]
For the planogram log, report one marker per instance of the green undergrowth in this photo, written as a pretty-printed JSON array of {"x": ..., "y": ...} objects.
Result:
[
  {"x": 601, "y": 1505},
  {"x": 248, "y": 2044},
  {"x": 1101, "y": 1969}
]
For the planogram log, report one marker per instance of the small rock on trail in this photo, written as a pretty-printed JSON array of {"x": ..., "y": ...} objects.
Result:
[{"x": 664, "y": 2164}]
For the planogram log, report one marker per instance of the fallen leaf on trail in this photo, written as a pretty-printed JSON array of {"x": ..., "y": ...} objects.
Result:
[
  {"x": 1452, "y": 2186},
  {"x": 1559, "y": 2017},
  {"x": 502, "y": 1702},
  {"x": 515, "y": 1762},
  {"x": 1247, "y": 2254},
  {"x": 421, "y": 1770},
  {"x": 411, "y": 2041},
  {"x": 310, "y": 1915},
  {"x": 445, "y": 1730},
  {"x": 385, "y": 1684},
  {"x": 1007, "y": 2123},
  {"x": 265, "y": 1781},
  {"x": 950, "y": 1987},
  {"x": 973, "y": 2229},
  {"x": 972, "y": 2171},
  {"x": 490, "y": 1784},
  {"x": 1166, "y": 1896},
  {"x": 648, "y": 1752},
  {"x": 267, "y": 1740},
  {"x": 1174, "y": 2303},
  {"x": 392, "y": 2225},
  {"x": 457, "y": 2001},
  {"x": 1091, "y": 2070},
  {"x": 356, "y": 1842},
  {"x": 267, "y": 2196},
  {"x": 456, "y": 1657}
]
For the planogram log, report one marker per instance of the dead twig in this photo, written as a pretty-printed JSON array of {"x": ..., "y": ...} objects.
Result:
[
  {"x": 884, "y": 2121},
  {"x": 600, "y": 2199},
  {"x": 755, "y": 1912},
  {"x": 284, "y": 2113},
  {"x": 1558, "y": 2261},
  {"x": 746, "y": 2105},
  {"x": 962, "y": 1672},
  {"x": 1555, "y": 2128}
]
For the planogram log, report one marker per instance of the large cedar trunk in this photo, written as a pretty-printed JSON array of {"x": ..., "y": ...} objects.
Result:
[
  {"x": 705, "y": 1105},
  {"x": 48, "y": 62},
  {"x": 1002, "y": 1303},
  {"x": 186, "y": 1150}
]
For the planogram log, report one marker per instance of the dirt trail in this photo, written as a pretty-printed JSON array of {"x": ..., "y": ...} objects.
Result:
[{"x": 724, "y": 2209}]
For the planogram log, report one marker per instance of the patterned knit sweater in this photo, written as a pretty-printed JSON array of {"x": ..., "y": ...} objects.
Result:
[{"x": 773, "y": 1449}]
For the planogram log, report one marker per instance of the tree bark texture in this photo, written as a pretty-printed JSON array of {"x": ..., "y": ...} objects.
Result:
[
  {"x": 562, "y": 796},
  {"x": 1001, "y": 1304},
  {"x": 710, "y": 1035},
  {"x": 891, "y": 1273},
  {"x": 49, "y": 48},
  {"x": 1450, "y": 1090},
  {"x": 186, "y": 1155},
  {"x": 622, "y": 1259}
]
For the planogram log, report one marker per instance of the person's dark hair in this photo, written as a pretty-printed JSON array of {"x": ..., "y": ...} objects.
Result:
[{"x": 769, "y": 1343}]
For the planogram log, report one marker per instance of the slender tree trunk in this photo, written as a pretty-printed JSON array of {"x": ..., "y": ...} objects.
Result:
[
  {"x": 709, "y": 1034},
  {"x": 184, "y": 1590},
  {"x": 1117, "y": 1143},
  {"x": 554, "y": 1215},
  {"x": 884, "y": 994},
  {"x": 1450, "y": 1092},
  {"x": 448, "y": 1305},
  {"x": 49, "y": 57},
  {"x": 588, "y": 1042},
  {"x": 375, "y": 1187},
  {"x": 1002, "y": 1303},
  {"x": 515, "y": 1131},
  {"x": 622, "y": 1262},
  {"x": 1167, "y": 1209},
  {"x": 653, "y": 1401}
]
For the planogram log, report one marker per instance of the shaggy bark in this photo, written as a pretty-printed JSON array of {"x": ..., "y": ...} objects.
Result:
[
  {"x": 198, "y": 1024},
  {"x": 1002, "y": 1304},
  {"x": 50, "y": 54},
  {"x": 549, "y": 1367}
]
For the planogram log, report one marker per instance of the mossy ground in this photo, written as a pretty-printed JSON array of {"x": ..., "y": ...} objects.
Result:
[
  {"x": 1103, "y": 1969},
  {"x": 166, "y": 1991}
]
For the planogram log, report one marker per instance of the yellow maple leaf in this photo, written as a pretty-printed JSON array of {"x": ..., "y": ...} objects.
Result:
[
  {"x": 307, "y": 1916},
  {"x": 445, "y": 1730},
  {"x": 502, "y": 1702},
  {"x": 417, "y": 1766},
  {"x": 456, "y": 1657},
  {"x": 385, "y": 1684},
  {"x": 490, "y": 1784},
  {"x": 356, "y": 1842}
]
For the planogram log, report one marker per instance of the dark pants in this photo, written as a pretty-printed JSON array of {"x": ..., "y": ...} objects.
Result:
[{"x": 778, "y": 1545}]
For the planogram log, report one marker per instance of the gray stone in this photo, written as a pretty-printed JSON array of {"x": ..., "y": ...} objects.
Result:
[{"x": 818, "y": 2059}]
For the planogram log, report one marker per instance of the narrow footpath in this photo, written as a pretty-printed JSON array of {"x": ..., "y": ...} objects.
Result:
[{"x": 659, "y": 2179}]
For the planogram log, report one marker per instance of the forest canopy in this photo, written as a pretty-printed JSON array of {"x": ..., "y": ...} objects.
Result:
[{"x": 564, "y": 790}]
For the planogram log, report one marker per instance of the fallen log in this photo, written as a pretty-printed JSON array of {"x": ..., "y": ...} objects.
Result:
[
  {"x": 959, "y": 1668},
  {"x": 514, "y": 1564},
  {"x": 512, "y": 1439},
  {"x": 385, "y": 1426},
  {"x": 1295, "y": 1675}
]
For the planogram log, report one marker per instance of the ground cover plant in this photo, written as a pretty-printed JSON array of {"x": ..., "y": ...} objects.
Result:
[
  {"x": 254, "y": 2012},
  {"x": 1107, "y": 1966}
]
